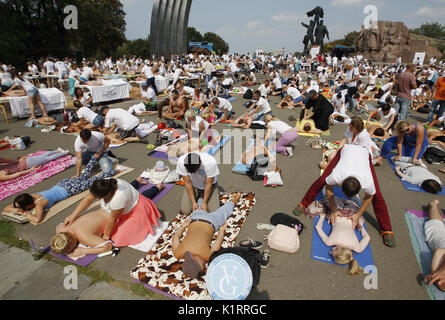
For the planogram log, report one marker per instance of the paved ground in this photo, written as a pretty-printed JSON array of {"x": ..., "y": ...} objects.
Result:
[
  {"x": 293, "y": 276},
  {"x": 22, "y": 278}
]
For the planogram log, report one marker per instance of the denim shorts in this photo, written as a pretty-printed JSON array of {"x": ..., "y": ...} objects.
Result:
[
  {"x": 98, "y": 121},
  {"x": 32, "y": 93}
]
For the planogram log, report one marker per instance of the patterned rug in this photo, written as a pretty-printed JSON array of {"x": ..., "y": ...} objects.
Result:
[
  {"x": 16, "y": 185},
  {"x": 161, "y": 271}
]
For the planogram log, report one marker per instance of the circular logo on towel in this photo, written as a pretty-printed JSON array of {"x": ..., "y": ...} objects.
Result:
[{"x": 229, "y": 278}]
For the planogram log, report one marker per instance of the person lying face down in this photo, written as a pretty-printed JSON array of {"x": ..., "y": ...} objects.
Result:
[
  {"x": 417, "y": 175},
  {"x": 344, "y": 240},
  {"x": 196, "y": 247},
  {"x": 83, "y": 236}
]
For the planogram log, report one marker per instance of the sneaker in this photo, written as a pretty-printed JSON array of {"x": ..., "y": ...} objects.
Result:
[
  {"x": 265, "y": 259},
  {"x": 251, "y": 244},
  {"x": 289, "y": 152}
]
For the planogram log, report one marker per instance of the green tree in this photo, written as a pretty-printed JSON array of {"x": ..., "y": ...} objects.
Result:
[
  {"x": 350, "y": 38},
  {"x": 432, "y": 30},
  {"x": 32, "y": 29},
  {"x": 138, "y": 47},
  {"x": 219, "y": 45},
  {"x": 194, "y": 35}
]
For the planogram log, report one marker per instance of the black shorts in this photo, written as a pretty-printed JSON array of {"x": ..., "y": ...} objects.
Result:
[{"x": 127, "y": 134}]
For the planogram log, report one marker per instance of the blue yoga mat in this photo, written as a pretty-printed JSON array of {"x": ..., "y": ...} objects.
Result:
[
  {"x": 422, "y": 251},
  {"x": 232, "y": 99},
  {"x": 408, "y": 186},
  {"x": 320, "y": 252},
  {"x": 221, "y": 144},
  {"x": 243, "y": 168}
]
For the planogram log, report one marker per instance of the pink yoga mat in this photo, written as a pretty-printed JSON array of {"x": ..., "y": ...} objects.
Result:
[
  {"x": 418, "y": 213},
  {"x": 16, "y": 185}
]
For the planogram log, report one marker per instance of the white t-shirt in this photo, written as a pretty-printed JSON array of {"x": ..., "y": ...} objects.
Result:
[
  {"x": 126, "y": 197},
  {"x": 149, "y": 94},
  {"x": 351, "y": 74},
  {"x": 363, "y": 139},
  {"x": 279, "y": 126},
  {"x": 339, "y": 103},
  {"x": 264, "y": 106},
  {"x": 293, "y": 92},
  {"x": 122, "y": 118},
  {"x": 87, "y": 72},
  {"x": 49, "y": 65},
  {"x": 189, "y": 91},
  {"x": 277, "y": 83},
  {"x": 74, "y": 74},
  {"x": 224, "y": 104},
  {"x": 227, "y": 82},
  {"x": 208, "y": 169},
  {"x": 354, "y": 162},
  {"x": 95, "y": 144},
  {"x": 25, "y": 84},
  {"x": 384, "y": 120},
  {"x": 194, "y": 125},
  {"x": 264, "y": 91},
  {"x": 213, "y": 85},
  {"x": 87, "y": 114}
]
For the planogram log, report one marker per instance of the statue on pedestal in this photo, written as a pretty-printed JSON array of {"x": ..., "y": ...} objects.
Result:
[{"x": 315, "y": 28}]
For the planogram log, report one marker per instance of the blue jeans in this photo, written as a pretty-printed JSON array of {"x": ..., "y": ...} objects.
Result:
[
  {"x": 104, "y": 162},
  {"x": 433, "y": 111},
  {"x": 408, "y": 149},
  {"x": 217, "y": 218},
  {"x": 402, "y": 106}
]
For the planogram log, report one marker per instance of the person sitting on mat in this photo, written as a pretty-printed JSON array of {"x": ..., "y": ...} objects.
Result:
[
  {"x": 10, "y": 169},
  {"x": 196, "y": 248},
  {"x": 352, "y": 169},
  {"x": 178, "y": 105},
  {"x": 435, "y": 238},
  {"x": 411, "y": 141},
  {"x": 132, "y": 215},
  {"x": 417, "y": 175},
  {"x": 260, "y": 107},
  {"x": 344, "y": 240},
  {"x": 222, "y": 108},
  {"x": 85, "y": 235},
  {"x": 199, "y": 171},
  {"x": 25, "y": 203},
  {"x": 196, "y": 125},
  {"x": 386, "y": 115}
]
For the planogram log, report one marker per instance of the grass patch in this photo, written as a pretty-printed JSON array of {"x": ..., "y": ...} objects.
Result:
[{"x": 7, "y": 235}]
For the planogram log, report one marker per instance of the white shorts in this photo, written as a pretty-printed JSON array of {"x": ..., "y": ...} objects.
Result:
[{"x": 435, "y": 234}]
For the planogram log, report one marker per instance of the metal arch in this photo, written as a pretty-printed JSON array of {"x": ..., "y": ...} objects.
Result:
[{"x": 168, "y": 31}]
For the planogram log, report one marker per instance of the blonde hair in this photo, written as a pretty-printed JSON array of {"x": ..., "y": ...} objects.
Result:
[
  {"x": 400, "y": 125},
  {"x": 61, "y": 242},
  {"x": 344, "y": 256},
  {"x": 268, "y": 118}
]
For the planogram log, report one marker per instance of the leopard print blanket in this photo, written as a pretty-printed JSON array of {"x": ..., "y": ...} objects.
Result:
[{"x": 162, "y": 271}]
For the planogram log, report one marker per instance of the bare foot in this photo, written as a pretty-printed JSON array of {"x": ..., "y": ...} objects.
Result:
[
  {"x": 442, "y": 170},
  {"x": 378, "y": 161},
  {"x": 236, "y": 198},
  {"x": 160, "y": 187},
  {"x": 434, "y": 203},
  {"x": 141, "y": 181}
]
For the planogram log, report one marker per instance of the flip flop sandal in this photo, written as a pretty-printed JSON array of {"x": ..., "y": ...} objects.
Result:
[
  {"x": 388, "y": 238},
  {"x": 265, "y": 226}
]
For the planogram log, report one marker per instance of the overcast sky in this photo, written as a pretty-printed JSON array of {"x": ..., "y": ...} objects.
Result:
[{"x": 250, "y": 24}]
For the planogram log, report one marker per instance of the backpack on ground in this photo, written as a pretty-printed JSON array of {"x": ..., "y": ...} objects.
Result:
[
  {"x": 248, "y": 95},
  {"x": 434, "y": 154},
  {"x": 258, "y": 168},
  {"x": 287, "y": 220},
  {"x": 284, "y": 238}
]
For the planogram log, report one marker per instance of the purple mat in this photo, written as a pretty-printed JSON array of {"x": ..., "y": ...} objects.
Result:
[
  {"x": 168, "y": 295},
  {"x": 160, "y": 195},
  {"x": 85, "y": 261},
  {"x": 159, "y": 155},
  {"x": 420, "y": 214}
]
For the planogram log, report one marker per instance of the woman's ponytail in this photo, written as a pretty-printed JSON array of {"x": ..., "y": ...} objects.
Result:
[{"x": 354, "y": 268}]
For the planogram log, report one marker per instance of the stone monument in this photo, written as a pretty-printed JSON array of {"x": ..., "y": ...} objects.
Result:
[
  {"x": 387, "y": 41},
  {"x": 169, "y": 23},
  {"x": 316, "y": 30}
]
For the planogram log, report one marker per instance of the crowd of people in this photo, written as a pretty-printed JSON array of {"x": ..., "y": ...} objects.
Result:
[{"x": 325, "y": 90}]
